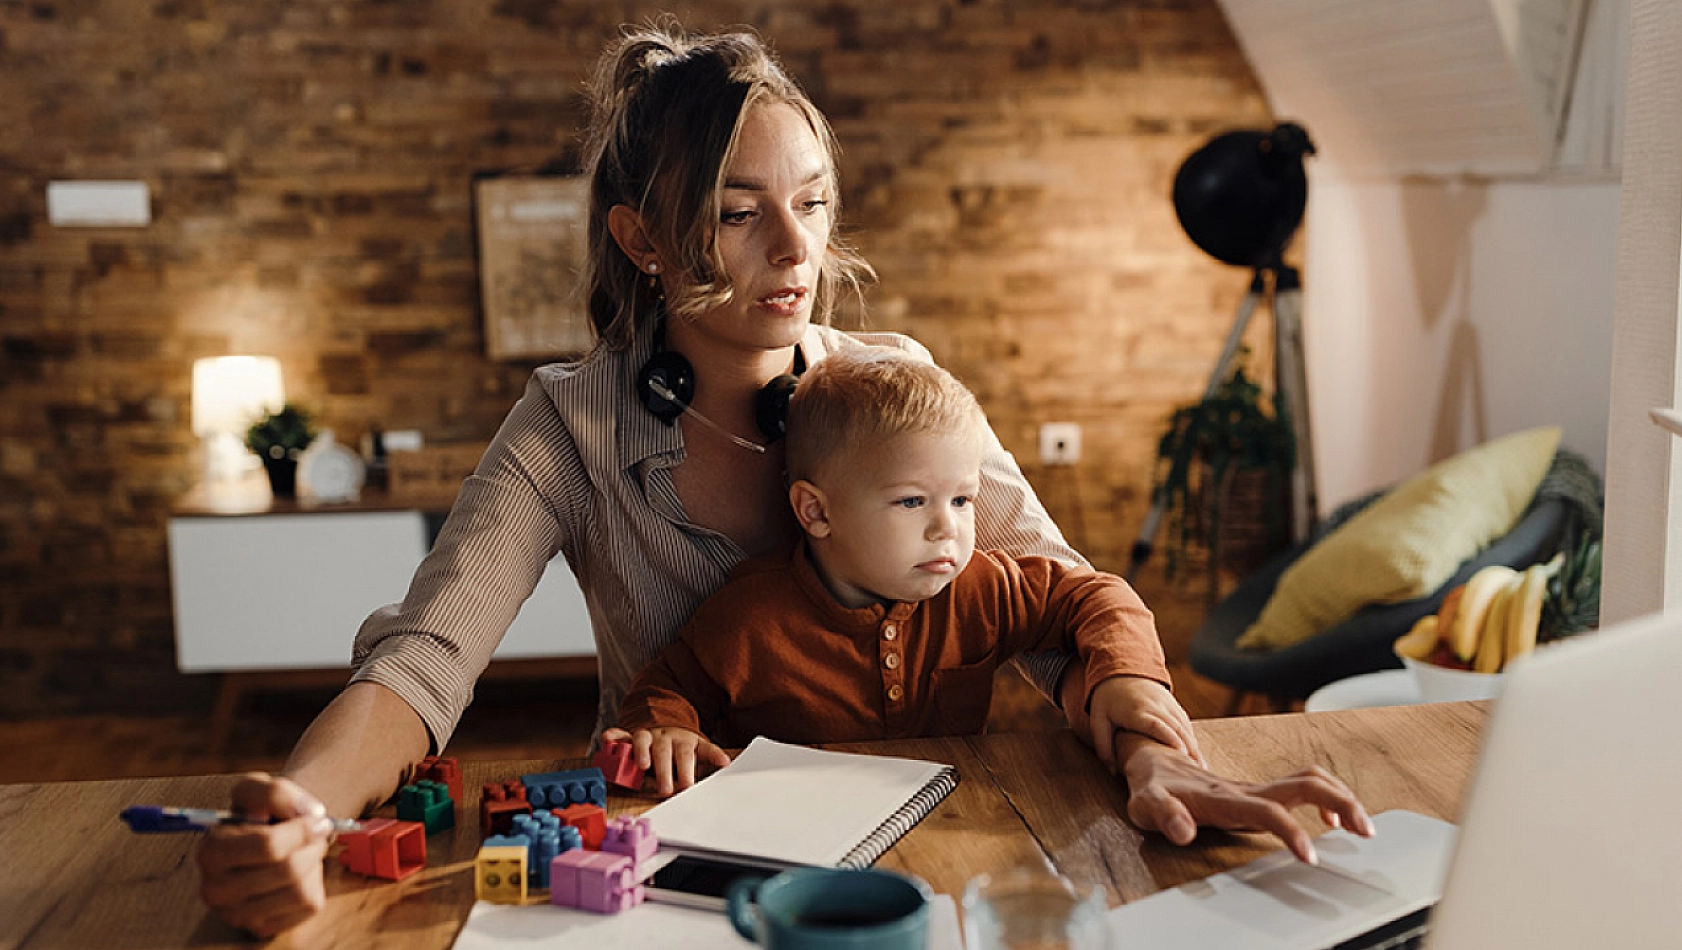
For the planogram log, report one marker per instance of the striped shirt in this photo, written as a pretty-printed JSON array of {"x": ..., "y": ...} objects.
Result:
[{"x": 580, "y": 468}]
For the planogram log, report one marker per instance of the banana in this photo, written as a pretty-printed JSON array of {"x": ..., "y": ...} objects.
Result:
[
  {"x": 1525, "y": 615},
  {"x": 1492, "y": 636},
  {"x": 1463, "y": 634},
  {"x": 1418, "y": 642}
]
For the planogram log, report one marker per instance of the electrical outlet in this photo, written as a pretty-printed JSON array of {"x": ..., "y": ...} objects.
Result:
[{"x": 1059, "y": 443}]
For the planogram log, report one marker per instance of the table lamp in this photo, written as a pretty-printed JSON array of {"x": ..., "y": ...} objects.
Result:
[{"x": 229, "y": 394}]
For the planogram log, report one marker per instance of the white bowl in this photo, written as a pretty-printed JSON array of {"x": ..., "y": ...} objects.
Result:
[{"x": 1439, "y": 684}]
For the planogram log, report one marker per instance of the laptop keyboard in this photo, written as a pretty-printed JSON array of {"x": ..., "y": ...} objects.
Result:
[{"x": 1404, "y": 933}]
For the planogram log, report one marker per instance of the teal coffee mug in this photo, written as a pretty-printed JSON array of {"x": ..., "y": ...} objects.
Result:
[{"x": 832, "y": 909}]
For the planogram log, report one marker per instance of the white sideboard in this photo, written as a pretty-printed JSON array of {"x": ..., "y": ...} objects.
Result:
[{"x": 282, "y": 586}]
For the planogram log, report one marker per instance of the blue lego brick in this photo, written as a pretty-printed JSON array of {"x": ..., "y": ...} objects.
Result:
[
  {"x": 544, "y": 830},
  {"x": 560, "y": 789},
  {"x": 427, "y": 802}
]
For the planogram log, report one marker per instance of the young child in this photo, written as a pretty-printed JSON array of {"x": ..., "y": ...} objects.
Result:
[{"x": 884, "y": 622}]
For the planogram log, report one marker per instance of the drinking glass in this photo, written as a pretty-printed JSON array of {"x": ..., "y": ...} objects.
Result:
[{"x": 1033, "y": 908}]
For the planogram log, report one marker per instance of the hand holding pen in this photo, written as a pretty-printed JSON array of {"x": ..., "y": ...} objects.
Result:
[
  {"x": 156, "y": 819},
  {"x": 265, "y": 876}
]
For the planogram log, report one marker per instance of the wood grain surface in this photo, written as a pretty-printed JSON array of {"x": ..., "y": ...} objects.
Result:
[{"x": 75, "y": 877}]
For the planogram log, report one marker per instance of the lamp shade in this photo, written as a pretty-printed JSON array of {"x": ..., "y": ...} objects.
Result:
[{"x": 232, "y": 392}]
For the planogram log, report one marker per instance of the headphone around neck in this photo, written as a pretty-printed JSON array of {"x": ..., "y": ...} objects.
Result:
[{"x": 666, "y": 386}]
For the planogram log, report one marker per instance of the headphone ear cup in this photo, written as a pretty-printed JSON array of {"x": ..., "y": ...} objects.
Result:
[
  {"x": 770, "y": 408},
  {"x": 671, "y": 371}
]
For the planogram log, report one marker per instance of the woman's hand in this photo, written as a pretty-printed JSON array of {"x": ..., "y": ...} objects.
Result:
[
  {"x": 672, "y": 753},
  {"x": 1169, "y": 793},
  {"x": 267, "y": 878}
]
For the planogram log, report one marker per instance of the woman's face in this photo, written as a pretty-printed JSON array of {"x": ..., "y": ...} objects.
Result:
[{"x": 773, "y": 230}]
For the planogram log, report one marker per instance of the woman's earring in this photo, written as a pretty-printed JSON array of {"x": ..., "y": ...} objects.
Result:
[{"x": 653, "y": 268}]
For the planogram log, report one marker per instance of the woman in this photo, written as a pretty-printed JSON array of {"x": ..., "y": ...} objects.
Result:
[{"x": 647, "y": 464}]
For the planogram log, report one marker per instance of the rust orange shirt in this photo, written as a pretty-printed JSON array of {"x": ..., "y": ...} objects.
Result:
[{"x": 774, "y": 654}]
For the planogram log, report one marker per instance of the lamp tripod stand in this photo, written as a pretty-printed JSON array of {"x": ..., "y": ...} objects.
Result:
[{"x": 1281, "y": 286}]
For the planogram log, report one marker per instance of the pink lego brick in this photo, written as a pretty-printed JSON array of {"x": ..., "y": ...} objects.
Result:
[
  {"x": 385, "y": 848},
  {"x": 594, "y": 881},
  {"x": 632, "y": 837},
  {"x": 618, "y": 763},
  {"x": 590, "y": 820}
]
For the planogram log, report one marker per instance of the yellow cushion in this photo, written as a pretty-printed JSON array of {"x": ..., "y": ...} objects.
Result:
[{"x": 1409, "y": 542}]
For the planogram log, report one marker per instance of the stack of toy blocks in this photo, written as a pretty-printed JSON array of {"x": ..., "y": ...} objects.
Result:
[
  {"x": 604, "y": 881},
  {"x": 499, "y": 803},
  {"x": 445, "y": 770},
  {"x": 427, "y": 802},
  {"x": 385, "y": 848}
]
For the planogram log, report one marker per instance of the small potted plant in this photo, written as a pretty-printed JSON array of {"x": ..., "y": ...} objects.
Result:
[
  {"x": 1226, "y": 462},
  {"x": 278, "y": 439}
]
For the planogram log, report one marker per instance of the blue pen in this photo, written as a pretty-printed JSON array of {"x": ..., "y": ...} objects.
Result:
[{"x": 160, "y": 819}]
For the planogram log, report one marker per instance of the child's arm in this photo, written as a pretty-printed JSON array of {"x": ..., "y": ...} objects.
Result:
[
  {"x": 662, "y": 718},
  {"x": 1077, "y": 609}
]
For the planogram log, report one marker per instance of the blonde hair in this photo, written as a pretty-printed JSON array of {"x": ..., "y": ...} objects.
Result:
[
  {"x": 667, "y": 109},
  {"x": 854, "y": 398}
]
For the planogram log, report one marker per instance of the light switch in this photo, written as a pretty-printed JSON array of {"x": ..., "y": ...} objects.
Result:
[{"x": 1059, "y": 443}]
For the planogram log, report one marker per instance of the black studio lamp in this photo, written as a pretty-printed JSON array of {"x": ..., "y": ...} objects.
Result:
[{"x": 1240, "y": 198}]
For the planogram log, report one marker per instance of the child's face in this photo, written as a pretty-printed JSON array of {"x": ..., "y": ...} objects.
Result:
[{"x": 901, "y": 517}]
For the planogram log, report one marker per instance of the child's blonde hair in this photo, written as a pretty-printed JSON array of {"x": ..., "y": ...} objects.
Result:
[{"x": 854, "y": 398}]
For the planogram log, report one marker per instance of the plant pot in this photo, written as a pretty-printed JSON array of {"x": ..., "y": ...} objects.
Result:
[
  {"x": 283, "y": 476},
  {"x": 1255, "y": 519}
]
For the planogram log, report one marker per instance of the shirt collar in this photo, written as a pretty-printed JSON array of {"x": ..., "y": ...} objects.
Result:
[{"x": 835, "y": 614}]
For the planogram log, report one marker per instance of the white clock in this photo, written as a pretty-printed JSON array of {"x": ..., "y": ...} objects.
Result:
[{"x": 330, "y": 471}]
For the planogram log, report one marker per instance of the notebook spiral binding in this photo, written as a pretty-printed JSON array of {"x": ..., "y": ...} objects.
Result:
[{"x": 901, "y": 821}]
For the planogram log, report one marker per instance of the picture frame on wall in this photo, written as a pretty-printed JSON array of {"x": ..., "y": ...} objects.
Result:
[{"x": 531, "y": 245}]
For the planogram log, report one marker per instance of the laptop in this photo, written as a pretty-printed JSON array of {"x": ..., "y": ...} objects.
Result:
[{"x": 1570, "y": 835}]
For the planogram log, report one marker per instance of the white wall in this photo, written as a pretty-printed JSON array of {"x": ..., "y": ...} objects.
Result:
[{"x": 1440, "y": 313}]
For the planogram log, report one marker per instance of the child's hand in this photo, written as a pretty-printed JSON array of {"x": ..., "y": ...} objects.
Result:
[
  {"x": 672, "y": 753},
  {"x": 1136, "y": 704}
]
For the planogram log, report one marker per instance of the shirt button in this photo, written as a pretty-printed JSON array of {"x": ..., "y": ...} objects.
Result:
[
  {"x": 894, "y": 693},
  {"x": 891, "y": 661},
  {"x": 890, "y": 632}
]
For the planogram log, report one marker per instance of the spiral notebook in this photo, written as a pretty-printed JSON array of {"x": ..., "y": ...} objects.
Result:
[{"x": 797, "y": 805}]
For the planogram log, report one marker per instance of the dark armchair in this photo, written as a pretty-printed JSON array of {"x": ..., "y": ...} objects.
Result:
[{"x": 1361, "y": 644}]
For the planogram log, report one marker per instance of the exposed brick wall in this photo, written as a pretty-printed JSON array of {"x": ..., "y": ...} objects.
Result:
[{"x": 1006, "y": 169}]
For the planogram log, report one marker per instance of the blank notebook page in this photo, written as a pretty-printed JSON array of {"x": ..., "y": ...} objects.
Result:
[{"x": 795, "y": 804}]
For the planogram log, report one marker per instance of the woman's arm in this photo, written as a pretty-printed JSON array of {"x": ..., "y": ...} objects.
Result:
[
  {"x": 360, "y": 749},
  {"x": 267, "y": 877}
]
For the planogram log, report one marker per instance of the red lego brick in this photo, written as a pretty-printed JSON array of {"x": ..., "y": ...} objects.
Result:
[
  {"x": 590, "y": 820},
  {"x": 385, "y": 848},
  {"x": 443, "y": 769},
  {"x": 618, "y": 762},
  {"x": 499, "y": 802}
]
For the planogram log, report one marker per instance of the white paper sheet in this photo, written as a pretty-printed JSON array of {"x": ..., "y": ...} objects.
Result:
[{"x": 645, "y": 927}]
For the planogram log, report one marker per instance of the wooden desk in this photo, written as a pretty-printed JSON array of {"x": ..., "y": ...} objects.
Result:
[{"x": 73, "y": 876}]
